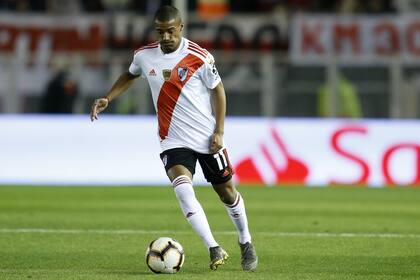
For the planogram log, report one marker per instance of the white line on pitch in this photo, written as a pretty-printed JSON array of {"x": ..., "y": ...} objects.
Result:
[{"x": 274, "y": 234}]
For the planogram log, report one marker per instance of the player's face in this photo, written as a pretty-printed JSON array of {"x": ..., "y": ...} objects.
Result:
[{"x": 169, "y": 34}]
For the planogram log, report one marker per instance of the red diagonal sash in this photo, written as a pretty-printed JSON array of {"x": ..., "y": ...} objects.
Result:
[{"x": 171, "y": 90}]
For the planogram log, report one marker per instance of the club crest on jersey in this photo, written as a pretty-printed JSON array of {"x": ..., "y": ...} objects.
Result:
[
  {"x": 166, "y": 74},
  {"x": 182, "y": 73}
]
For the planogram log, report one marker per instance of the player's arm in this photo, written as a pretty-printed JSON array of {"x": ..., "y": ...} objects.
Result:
[
  {"x": 123, "y": 83},
  {"x": 219, "y": 107}
]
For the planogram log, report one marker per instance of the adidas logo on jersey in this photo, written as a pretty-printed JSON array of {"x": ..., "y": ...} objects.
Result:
[{"x": 152, "y": 72}]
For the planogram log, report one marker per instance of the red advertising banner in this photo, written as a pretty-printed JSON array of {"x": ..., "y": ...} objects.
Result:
[
  {"x": 58, "y": 33},
  {"x": 355, "y": 39},
  {"x": 129, "y": 31}
]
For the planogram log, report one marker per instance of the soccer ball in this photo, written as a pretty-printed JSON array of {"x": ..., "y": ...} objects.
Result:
[{"x": 165, "y": 255}]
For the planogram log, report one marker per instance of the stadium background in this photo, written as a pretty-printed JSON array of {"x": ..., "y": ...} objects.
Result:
[
  {"x": 320, "y": 94},
  {"x": 349, "y": 68}
]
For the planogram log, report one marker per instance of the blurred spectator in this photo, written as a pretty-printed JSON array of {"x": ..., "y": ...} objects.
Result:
[
  {"x": 243, "y": 6},
  {"x": 23, "y": 5},
  {"x": 323, "y": 6},
  {"x": 354, "y": 6},
  {"x": 378, "y": 6},
  {"x": 235, "y": 6},
  {"x": 63, "y": 7},
  {"x": 347, "y": 102},
  {"x": 349, "y": 7},
  {"x": 211, "y": 9},
  {"x": 117, "y": 5},
  {"x": 60, "y": 94},
  {"x": 269, "y": 5},
  {"x": 93, "y": 6},
  {"x": 407, "y": 6},
  {"x": 147, "y": 7},
  {"x": 300, "y": 5}
]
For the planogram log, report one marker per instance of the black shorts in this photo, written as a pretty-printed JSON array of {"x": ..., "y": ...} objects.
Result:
[{"x": 216, "y": 167}]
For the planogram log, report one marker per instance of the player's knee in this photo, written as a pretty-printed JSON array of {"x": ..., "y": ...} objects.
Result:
[
  {"x": 227, "y": 195},
  {"x": 226, "y": 200},
  {"x": 229, "y": 199}
]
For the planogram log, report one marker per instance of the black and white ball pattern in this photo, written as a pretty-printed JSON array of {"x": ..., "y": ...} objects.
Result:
[{"x": 165, "y": 255}]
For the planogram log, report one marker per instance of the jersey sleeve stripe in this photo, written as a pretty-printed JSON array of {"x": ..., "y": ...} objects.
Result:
[
  {"x": 200, "y": 55},
  {"x": 150, "y": 46},
  {"x": 197, "y": 46},
  {"x": 171, "y": 90},
  {"x": 197, "y": 51},
  {"x": 204, "y": 53}
]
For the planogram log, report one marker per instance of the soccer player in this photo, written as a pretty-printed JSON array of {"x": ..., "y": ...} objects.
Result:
[{"x": 190, "y": 102}]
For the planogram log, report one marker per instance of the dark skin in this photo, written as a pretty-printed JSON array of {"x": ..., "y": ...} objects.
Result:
[{"x": 169, "y": 35}]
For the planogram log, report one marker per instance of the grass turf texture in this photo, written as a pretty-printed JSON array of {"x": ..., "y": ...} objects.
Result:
[{"x": 275, "y": 216}]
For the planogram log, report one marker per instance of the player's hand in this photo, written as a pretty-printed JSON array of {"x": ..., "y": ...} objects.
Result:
[
  {"x": 98, "y": 106},
  {"x": 216, "y": 142}
]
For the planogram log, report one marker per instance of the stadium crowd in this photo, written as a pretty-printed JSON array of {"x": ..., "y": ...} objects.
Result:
[{"x": 150, "y": 6}]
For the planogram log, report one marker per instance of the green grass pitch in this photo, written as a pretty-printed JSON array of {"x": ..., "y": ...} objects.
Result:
[{"x": 299, "y": 233}]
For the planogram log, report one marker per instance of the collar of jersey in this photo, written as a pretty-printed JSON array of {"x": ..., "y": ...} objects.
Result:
[{"x": 180, "y": 48}]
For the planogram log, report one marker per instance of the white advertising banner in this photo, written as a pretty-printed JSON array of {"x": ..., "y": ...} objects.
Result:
[
  {"x": 355, "y": 39},
  {"x": 60, "y": 150}
]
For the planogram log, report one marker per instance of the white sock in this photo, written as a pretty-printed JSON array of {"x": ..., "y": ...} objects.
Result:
[
  {"x": 192, "y": 209},
  {"x": 237, "y": 214}
]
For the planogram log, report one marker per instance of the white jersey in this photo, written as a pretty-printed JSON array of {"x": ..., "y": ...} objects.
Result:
[{"x": 180, "y": 83}]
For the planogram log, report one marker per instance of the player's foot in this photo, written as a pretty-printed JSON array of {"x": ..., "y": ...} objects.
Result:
[
  {"x": 217, "y": 257},
  {"x": 249, "y": 258}
]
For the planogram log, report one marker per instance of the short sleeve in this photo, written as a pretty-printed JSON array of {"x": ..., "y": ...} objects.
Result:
[
  {"x": 135, "y": 68},
  {"x": 209, "y": 74}
]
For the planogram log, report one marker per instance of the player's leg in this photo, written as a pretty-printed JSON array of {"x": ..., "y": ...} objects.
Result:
[
  {"x": 218, "y": 172},
  {"x": 180, "y": 167},
  {"x": 235, "y": 207},
  {"x": 191, "y": 207},
  {"x": 193, "y": 211}
]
